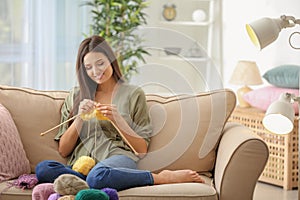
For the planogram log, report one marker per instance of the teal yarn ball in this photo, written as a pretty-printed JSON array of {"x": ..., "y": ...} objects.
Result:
[{"x": 91, "y": 194}]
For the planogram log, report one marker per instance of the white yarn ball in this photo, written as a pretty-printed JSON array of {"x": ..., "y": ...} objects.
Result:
[{"x": 199, "y": 15}]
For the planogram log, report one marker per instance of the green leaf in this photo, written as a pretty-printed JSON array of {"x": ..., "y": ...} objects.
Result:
[{"x": 116, "y": 21}]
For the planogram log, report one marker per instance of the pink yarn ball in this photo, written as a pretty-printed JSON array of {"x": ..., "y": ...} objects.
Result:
[{"x": 42, "y": 191}]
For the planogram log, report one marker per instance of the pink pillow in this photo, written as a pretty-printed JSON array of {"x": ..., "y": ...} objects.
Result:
[
  {"x": 13, "y": 160},
  {"x": 263, "y": 97}
]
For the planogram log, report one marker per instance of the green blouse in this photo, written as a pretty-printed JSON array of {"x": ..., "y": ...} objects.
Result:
[{"x": 98, "y": 138}]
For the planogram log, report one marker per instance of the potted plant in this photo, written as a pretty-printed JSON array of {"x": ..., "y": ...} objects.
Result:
[{"x": 117, "y": 21}]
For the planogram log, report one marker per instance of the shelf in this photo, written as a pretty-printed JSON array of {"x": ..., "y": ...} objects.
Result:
[
  {"x": 187, "y": 23},
  {"x": 198, "y": 39},
  {"x": 182, "y": 58}
]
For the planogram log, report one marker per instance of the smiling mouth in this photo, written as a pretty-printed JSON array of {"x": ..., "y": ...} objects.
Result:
[{"x": 99, "y": 76}]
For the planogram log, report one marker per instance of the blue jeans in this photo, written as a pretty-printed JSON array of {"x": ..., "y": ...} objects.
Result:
[{"x": 118, "y": 172}]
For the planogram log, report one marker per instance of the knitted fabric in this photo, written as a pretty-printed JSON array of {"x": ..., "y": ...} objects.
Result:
[
  {"x": 26, "y": 181},
  {"x": 91, "y": 194},
  {"x": 69, "y": 184},
  {"x": 84, "y": 164},
  {"x": 42, "y": 191},
  {"x": 54, "y": 196},
  {"x": 112, "y": 193}
]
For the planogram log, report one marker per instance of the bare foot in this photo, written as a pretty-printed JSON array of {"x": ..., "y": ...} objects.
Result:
[{"x": 177, "y": 176}]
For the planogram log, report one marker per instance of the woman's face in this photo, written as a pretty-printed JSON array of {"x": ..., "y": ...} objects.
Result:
[{"x": 97, "y": 67}]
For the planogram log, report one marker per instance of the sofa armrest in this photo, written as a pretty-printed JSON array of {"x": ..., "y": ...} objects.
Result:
[{"x": 241, "y": 158}]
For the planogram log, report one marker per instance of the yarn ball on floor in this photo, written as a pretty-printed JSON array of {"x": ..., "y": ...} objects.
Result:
[{"x": 91, "y": 194}]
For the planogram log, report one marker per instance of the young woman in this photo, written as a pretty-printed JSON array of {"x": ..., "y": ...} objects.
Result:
[{"x": 101, "y": 87}]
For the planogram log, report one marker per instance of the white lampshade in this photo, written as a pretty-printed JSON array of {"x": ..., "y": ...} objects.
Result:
[
  {"x": 246, "y": 73},
  {"x": 280, "y": 115},
  {"x": 264, "y": 31}
]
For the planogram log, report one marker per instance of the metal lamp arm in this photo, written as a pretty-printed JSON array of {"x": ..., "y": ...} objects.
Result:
[
  {"x": 290, "y": 21},
  {"x": 290, "y": 41},
  {"x": 296, "y": 99}
]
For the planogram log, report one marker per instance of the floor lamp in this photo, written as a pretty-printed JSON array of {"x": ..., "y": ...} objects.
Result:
[{"x": 280, "y": 115}]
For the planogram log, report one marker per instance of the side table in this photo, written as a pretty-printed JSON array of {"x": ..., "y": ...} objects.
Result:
[{"x": 282, "y": 166}]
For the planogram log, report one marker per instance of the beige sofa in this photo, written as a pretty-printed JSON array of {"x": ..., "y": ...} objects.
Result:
[{"x": 189, "y": 132}]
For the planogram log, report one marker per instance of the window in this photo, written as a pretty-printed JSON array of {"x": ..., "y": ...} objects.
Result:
[{"x": 39, "y": 41}]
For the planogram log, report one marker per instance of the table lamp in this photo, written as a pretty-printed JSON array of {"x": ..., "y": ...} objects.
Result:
[
  {"x": 245, "y": 73},
  {"x": 280, "y": 115}
]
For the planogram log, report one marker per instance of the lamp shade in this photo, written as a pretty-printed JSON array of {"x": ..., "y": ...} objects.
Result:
[
  {"x": 279, "y": 117},
  {"x": 264, "y": 31},
  {"x": 246, "y": 73}
]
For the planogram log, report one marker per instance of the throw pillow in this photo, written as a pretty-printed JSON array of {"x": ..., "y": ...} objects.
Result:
[
  {"x": 13, "y": 160},
  {"x": 286, "y": 76},
  {"x": 263, "y": 97}
]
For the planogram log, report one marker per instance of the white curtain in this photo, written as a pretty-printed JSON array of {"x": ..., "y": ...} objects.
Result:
[{"x": 39, "y": 41}]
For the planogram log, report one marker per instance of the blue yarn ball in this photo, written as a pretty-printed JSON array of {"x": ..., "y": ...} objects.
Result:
[{"x": 112, "y": 193}]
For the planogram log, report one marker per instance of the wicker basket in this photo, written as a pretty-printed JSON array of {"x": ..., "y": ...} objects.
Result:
[{"x": 282, "y": 166}]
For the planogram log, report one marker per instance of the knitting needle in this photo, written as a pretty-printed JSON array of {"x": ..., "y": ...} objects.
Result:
[
  {"x": 119, "y": 131},
  {"x": 55, "y": 127},
  {"x": 124, "y": 138}
]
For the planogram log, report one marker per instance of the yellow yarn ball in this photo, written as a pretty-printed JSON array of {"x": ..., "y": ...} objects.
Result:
[
  {"x": 84, "y": 164},
  {"x": 100, "y": 116},
  {"x": 93, "y": 114},
  {"x": 88, "y": 116}
]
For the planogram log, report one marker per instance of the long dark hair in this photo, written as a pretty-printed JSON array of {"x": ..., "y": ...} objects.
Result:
[{"x": 87, "y": 86}]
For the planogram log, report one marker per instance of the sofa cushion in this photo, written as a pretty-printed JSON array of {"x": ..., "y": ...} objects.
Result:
[
  {"x": 34, "y": 112},
  {"x": 13, "y": 160},
  {"x": 186, "y": 130},
  {"x": 179, "y": 191},
  {"x": 8, "y": 192}
]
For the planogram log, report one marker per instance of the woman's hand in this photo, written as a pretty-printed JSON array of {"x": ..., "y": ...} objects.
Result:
[
  {"x": 135, "y": 142},
  {"x": 86, "y": 106},
  {"x": 110, "y": 111},
  {"x": 68, "y": 140}
]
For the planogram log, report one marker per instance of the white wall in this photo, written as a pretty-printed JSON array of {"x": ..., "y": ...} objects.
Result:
[{"x": 236, "y": 44}]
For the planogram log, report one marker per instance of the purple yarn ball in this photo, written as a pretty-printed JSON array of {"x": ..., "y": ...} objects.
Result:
[
  {"x": 54, "y": 196},
  {"x": 112, "y": 193}
]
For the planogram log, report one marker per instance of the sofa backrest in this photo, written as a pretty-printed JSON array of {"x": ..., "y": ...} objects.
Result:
[
  {"x": 34, "y": 112},
  {"x": 186, "y": 128}
]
